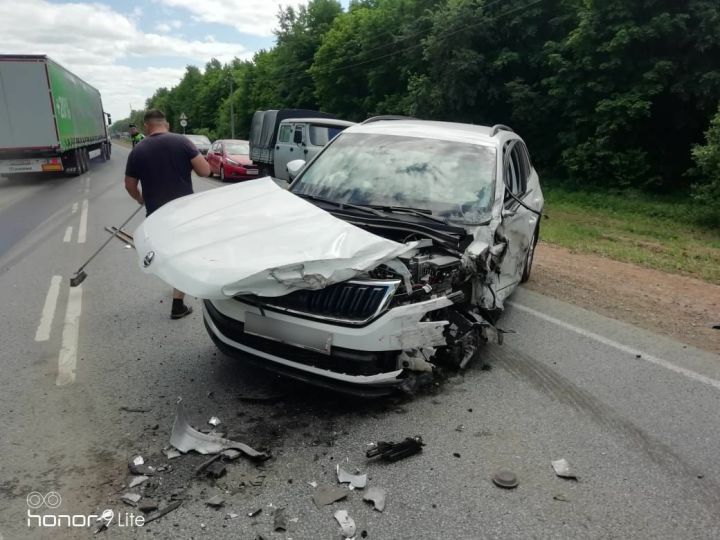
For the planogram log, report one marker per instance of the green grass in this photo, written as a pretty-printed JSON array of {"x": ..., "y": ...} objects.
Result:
[{"x": 673, "y": 234}]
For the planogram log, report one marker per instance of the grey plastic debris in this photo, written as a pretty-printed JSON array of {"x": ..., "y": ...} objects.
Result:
[
  {"x": 254, "y": 513},
  {"x": 279, "y": 520},
  {"x": 505, "y": 479},
  {"x": 216, "y": 502},
  {"x": 171, "y": 453},
  {"x": 214, "y": 421},
  {"x": 562, "y": 469},
  {"x": 138, "y": 460},
  {"x": 376, "y": 495},
  {"x": 130, "y": 498},
  {"x": 346, "y": 523},
  {"x": 231, "y": 454},
  {"x": 231, "y": 515},
  {"x": 560, "y": 497},
  {"x": 137, "y": 480},
  {"x": 355, "y": 480},
  {"x": 165, "y": 510},
  {"x": 137, "y": 466},
  {"x": 185, "y": 438},
  {"x": 325, "y": 495},
  {"x": 313, "y": 484},
  {"x": 147, "y": 505},
  {"x": 216, "y": 470}
]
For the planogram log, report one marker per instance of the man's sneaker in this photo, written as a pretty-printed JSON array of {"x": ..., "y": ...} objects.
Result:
[{"x": 182, "y": 312}]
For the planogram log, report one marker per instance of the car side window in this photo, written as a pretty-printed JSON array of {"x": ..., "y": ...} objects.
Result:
[
  {"x": 298, "y": 136},
  {"x": 285, "y": 131},
  {"x": 521, "y": 172}
]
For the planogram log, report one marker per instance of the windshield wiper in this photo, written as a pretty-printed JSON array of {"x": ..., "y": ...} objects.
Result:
[
  {"x": 420, "y": 212},
  {"x": 340, "y": 205}
]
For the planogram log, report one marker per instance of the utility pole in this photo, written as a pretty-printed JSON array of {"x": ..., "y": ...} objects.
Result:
[{"x": 232, "y": 111}]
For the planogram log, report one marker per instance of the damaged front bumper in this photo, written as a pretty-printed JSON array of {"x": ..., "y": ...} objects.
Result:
[{"x": 364, "y": 360}]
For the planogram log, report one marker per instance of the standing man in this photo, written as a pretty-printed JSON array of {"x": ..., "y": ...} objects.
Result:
[
  {"x": 135, "y": 135},
  {"x": 162, "y": 165}
]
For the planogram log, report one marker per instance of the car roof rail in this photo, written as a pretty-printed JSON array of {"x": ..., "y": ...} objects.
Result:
[
  {"x": 500, "y": 127},
  {"x": 386, "y": 117}
]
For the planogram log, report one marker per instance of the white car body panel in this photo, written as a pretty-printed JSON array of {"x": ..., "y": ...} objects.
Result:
[{"x": 255, "y": 238}]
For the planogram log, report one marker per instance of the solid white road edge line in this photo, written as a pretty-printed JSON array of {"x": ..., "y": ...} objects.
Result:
[
  {"x": 82, "y": 228},
  {"x": 67, "y": 360},
  {"x": 48, "y": 312},
  {"x": 74, "y": 208},
  {"x": 68, "y": 234},
  {"x": 619, "y": 346}
]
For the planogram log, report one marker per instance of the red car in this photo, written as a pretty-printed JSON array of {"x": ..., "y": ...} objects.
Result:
[{"x": 230, "y": 160}]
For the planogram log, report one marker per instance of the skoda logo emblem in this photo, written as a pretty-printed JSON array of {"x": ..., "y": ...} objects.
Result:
[{"x": 147, "y": 261}]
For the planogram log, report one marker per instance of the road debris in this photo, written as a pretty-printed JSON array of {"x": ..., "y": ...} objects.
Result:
[
  {"x": 313, "y": 484},
  {"x": 165, "y": 510},
  {"x": 106, "y": 517},
  {"x": 171, "y": 453},
  {"x": 200, "y": 469},
  {"x": 185, "y": 438},
  {"x": 215, "y": 470},
  {"x": 137, "y": 466},
  {"x": 390, "y": 451},
  {"x": 215, "y": 502},
  {"x": 135, "y": 409},
  {"x": 254, "y": 513},
  {"x": 259, "y": 397},
  {"x": 138, "y": 460},
  {"x": 560, "y": 497},
  {"x": 346, "y": 523},
  {"x": 325, "y": 495},
  {"x": 376, "y": 495},
  {"x": 460, "y": 428},
  {"x": 231, "y": 454},
  {"x": 562, "y": 469},
  {"x": 130, "y": 498},
  {"x": 214, "y": 421},
  {"x": 505, "y": 479},
  {"x": 355, "y": 480},
  {"x": 147, "y": 506},
  {"x": 279, "y": 520},
  {"x": 231, "y": 515},
  {"x": 137, "y": 480}
]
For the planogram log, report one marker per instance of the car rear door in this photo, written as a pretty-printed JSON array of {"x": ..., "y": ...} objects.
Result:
[
  {"x": 518, "y": 222},
  {"x": 213, "y": 157}
]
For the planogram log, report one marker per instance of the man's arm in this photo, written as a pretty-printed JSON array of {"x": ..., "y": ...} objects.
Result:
[
  {"x": 131, "y": 185},
  {"x": 200, "y": 165}
]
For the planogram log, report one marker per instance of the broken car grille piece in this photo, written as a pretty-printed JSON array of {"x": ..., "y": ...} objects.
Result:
[{"x": 353, "y": 302}]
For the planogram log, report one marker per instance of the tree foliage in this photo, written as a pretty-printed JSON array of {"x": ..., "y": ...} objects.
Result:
[{"x": 611, "y": 93}]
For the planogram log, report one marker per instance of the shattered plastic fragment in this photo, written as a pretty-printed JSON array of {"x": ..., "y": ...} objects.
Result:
[
  {"x": 185, "y": 438},
  {"x": 231, "y": 454},
  {"x": 231, "y": 515},
  {"x": 138, "y": 460},
  {"x": 165, "y": 510},
  {"x": 390, "y": 451},
  {"x": 140, "y": 467},
  {"x": 355, "y": 480},
  {"x": 560, "y": 497},
  {"x": 313, "y": 484},
  {"x": 214, "y": 421},
  {"x": 216, "y": 502},
  {"x": 562, "y": 469},
  {"x": 147, "y": 506},
  {"x": 137, "y": 480},
  {"x": 346, "y": 523},
  {"x": 130, "y": 498},
  {"x": 254, "y": 512},
  {"x": 215, "y": 470},
  {"x": 376, "y": 495},
  {"x": 171, "y": 453},
  {"x": 279, "y": 520},
  {"x": 325, "y": 495}
]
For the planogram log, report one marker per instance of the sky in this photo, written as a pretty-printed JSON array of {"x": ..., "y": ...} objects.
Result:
[{"x": 127, "y": 48}]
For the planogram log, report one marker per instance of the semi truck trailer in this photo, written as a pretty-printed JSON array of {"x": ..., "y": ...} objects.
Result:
[{"x": 50, "y": 119}]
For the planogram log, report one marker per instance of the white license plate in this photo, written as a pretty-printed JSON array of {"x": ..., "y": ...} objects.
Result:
[
  {"x": 251, "y": 171},
  {"x": 20, "y": 165},
  {"x": 289, "y": 333}
]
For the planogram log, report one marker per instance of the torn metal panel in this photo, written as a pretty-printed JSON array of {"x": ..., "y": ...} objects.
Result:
[
  {"x": 185, "y": 438},
  {"x": 200, "y": 243}
]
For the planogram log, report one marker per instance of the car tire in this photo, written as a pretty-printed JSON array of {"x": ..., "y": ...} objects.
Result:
[
  {"x": 222, "y": 173},
  {"x": 529, "y": 257}
]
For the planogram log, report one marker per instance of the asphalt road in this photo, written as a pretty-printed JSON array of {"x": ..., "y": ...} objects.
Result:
[{"x": 635, "y": 414}]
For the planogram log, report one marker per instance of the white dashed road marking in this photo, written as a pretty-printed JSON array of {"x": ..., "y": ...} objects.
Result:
[
  {"x": 68, "y": 234},
  {"x": 624, "y": 348},
  {"x": 82, "y": 228},
  {"x": 48, "y": 312},
  {"x": 67, "y": 360}
]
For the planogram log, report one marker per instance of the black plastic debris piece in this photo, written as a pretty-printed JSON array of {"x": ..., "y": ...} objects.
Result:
[
  {"x": 135, "y": 409},
  {"x": 390, "y": 451},
  {"x": 205, "y": 464},
  {"x": 716, "y": 326},
  {"x": 215, "y": 502},
  {"x": 560, "y": 497},
  {"x": 456, "y": 454},
  {"x": 259, "y": 397},
  {"x": 363, "y": 534},
  {"x": 147, "y": 505},
  {"x": 505, "y": 480},
  {"x": 215, "y": 470},
  {"x": 279, "y": 520},
  {"x": 254, "y": 513},
  {"x": 325, "y": 495},
  {"x": 164, "y": 510}
]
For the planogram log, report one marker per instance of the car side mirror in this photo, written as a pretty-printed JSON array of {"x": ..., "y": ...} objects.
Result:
[{"x": 294, "y": 167}]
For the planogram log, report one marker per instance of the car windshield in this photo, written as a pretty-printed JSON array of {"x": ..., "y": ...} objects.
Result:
[
  {"x": 198, "y": 139},
  {"x": 452, "y": 180},
  {"x": 242, "y": 149}
]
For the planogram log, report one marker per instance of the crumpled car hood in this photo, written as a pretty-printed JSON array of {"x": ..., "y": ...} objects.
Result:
[{"x": 254, "y": 238}]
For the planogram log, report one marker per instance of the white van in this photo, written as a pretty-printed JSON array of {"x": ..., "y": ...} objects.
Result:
[{"x": 303, "y": 138}]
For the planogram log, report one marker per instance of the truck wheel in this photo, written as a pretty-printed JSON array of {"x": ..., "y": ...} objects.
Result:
[
  {"x": 103, "y": 152},
  {"x": 85, "y": 160},
  {"x": 77, "y": 163}
]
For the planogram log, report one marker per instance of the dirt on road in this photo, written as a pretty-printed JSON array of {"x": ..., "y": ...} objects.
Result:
[{"x": 678, "y": 306}]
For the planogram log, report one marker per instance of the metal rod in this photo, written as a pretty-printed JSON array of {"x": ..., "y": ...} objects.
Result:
[{"x": 115, "y": 233}]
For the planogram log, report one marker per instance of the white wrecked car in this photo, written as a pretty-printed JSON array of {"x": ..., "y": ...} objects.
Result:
[{"x": 391, "y": 253}]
